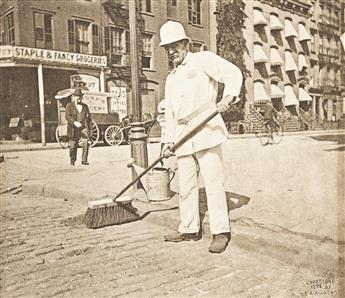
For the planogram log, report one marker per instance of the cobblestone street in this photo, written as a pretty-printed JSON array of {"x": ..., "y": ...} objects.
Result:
[{"x": 46, "y": 252}]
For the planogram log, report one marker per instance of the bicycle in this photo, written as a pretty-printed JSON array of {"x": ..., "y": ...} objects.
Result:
[{"x": 270, "y": 130}]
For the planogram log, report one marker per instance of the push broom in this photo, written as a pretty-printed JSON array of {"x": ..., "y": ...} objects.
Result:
[{"x": 119, "y": 210}]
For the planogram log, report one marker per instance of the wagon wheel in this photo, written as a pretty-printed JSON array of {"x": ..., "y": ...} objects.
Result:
[
  {"x": 113, "y": 135},
  {"x": 94, "y": 134},
  {"x": 61, "y": 139}
]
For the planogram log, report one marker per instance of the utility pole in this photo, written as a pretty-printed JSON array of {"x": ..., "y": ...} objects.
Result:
[
  {"x": 138, "y": 137},
  {"x": 136, "y": 101}
]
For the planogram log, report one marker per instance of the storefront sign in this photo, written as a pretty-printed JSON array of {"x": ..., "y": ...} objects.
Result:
[
  {"x": 118, "y": 101},
  {"x": 97, "y": 103},
  {"x": 44, "y": 56},
  {"x": 6, "y": 52},
  {"x": 92, "y": 83}
]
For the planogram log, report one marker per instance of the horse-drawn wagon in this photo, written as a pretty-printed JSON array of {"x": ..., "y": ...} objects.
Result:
[{"x": 110, "y": 123}]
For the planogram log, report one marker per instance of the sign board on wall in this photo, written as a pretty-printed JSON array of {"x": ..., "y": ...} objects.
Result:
[
  {"x": 97, "y": 103},
  {"x": 53, "y": 57},
  {"x": 118, "y": 101},
  {"x": 92, "y": 83}
]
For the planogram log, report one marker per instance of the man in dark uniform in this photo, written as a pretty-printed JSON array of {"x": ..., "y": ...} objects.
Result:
[{"x": 79, "y": 126}]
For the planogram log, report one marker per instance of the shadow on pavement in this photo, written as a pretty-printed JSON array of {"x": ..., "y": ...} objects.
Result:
[
  {"x": 338, "y": 139},
  {"x": 234, "y": 201},
  {"x": 341, "y": 148}
]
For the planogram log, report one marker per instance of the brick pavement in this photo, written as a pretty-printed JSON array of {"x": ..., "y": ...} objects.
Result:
[{"x": 46, "y": 252}]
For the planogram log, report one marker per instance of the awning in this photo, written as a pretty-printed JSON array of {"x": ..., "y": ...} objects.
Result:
[
  {"x": 64, "y": 93},
  {"x": 302, "y": 62},
  {"x": 275, "y": 57},
  {"x": 290, "y": 64},
  {"x": 289, "y": 30},
  {"x": 303, "y": 95},
  {"x": 276, "y": 92},
  {"x": 259, "y": 54},
  {"x": 260, "y": 92},
  {"x": 275, "y": 23},
  {"x": 290, "y": 97},
  {"x": 303, "y": 34},
  {"x": 259, "y": 18}
]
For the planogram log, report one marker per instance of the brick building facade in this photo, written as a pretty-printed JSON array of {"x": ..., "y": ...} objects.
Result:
[{"x": 90, "y": 30}]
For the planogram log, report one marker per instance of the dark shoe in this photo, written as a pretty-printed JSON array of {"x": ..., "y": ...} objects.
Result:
[
  {"x": 72, "y": 163},
  {"x": 85, "y": 163},
  {"x": 219, "y": 243},
  {"x": 182, "y": 237}
]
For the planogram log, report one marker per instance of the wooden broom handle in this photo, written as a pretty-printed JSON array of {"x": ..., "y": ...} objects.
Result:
[{"x": 177, "y": 145}]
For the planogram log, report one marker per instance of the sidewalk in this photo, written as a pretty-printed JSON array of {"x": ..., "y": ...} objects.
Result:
[
  {"x": 14, "y": 146},
  {"x": 288, "y": 220}
]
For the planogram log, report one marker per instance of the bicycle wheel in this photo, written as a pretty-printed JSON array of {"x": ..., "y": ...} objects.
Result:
[
  {"x": 277, "y": 134},
  {"x": 264, "y": 135}
]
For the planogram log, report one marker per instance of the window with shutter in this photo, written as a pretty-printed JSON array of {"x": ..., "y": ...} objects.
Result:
[
  {"x": 95, "y": 39},
  {"x": 71, "y": 36},
  {"x": 106, "y": 39}
]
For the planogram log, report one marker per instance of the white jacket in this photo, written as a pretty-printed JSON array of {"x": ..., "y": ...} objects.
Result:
[{"x": 193, "y": 84}]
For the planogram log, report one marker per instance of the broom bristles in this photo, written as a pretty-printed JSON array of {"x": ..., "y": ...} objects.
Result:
[{"x": 101, "y": 214}]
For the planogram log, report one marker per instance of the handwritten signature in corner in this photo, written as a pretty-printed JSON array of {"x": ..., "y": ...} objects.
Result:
[{"x": 321, "y": 287}]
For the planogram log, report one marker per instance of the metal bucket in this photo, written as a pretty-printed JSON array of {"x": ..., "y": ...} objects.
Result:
[{"x": 158, "y": 184}]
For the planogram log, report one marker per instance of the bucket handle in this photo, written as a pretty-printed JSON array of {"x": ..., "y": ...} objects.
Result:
[
  {"x": 170, "y": 170},
  {"x": 173, "y": 175}
]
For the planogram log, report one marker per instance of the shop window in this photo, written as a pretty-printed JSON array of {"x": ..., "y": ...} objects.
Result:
[
  {"x": 147, "y": 51},
  {"x": 194, "y": 12},
  {"x": 43, "y": 30},
  {"x": 95, "y": 39},
  {"x": 9, "y": 25}
]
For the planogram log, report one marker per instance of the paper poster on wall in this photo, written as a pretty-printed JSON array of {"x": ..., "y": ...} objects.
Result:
[
  {"x": 92, "y": 83},
  {"x": 96, "y": 103},
  {"x": 118, "y": 101}
]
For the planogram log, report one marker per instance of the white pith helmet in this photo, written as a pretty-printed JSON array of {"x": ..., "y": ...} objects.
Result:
[
  {"x": 171, "y": 32},
  {"x": 161, "y": 106}
]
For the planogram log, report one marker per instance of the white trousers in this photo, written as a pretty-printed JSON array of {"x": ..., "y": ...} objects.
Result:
[{"x": 211, "y": 170}]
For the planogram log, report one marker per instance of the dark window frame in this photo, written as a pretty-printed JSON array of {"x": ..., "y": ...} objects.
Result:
[
  {"x": 45, "y": 35},
  {"x": 194, "y": 12},
  {"x": 10, "y": 28}
]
